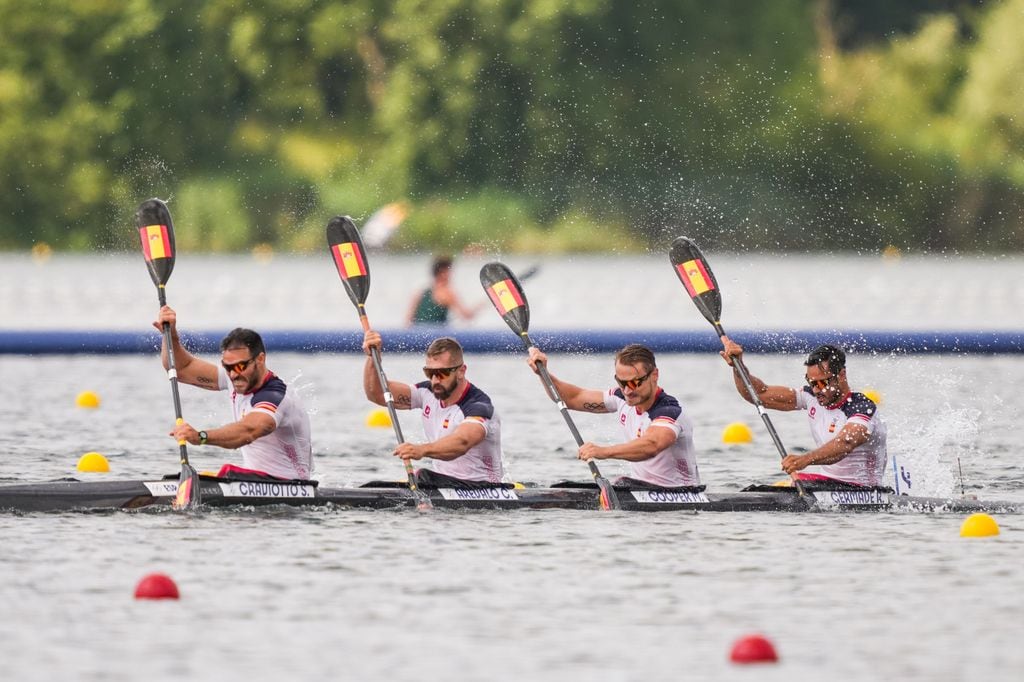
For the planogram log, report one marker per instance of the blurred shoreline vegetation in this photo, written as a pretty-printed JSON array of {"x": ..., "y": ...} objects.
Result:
[{"x": 516, "y": 125}]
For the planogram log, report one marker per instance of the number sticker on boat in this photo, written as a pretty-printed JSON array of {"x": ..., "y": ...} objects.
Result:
[
  {"x": 483, "y": 494},
  {"x": 669, "y": 497},
  {"x": 162, "y": 488},
  {"x": 835, "y": 499},
  {"x": 274, "y": 489}
]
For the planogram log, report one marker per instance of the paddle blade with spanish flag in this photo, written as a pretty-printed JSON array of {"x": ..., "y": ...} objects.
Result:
[
  {"x": 346, "y": 248},
  {"x": 693, "y": 271},
  {"x": 156, "y": 232},
  {"x": 506, "y": 293}
]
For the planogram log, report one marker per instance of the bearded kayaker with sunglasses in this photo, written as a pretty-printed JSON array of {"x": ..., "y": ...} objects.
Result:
[
  {"x": 849, "y": 436},
  {"x": 271, "y": 428},
  {"x": 463, "y": 429},
  {"x": 658, "y": 435}
]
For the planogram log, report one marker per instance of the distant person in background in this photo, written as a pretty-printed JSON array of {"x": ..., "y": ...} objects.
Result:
[
  {"x": 462, "y": 428},
  {"x": 658, "y": 435},
  {"x": 849, "y": 436},
  {"x": 271, "y": 429},
  {"x": 433, "y": 304}
]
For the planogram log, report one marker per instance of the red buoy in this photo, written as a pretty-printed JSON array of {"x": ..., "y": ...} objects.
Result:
[
  {"x": 156, "y": 586},
  {"x": 753, "y": 649}
]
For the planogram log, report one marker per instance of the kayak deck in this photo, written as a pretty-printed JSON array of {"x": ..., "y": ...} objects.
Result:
[{"x": 75, "y": 495}]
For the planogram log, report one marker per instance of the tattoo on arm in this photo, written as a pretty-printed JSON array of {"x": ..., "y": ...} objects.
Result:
[
  {"x": 593, "y": 407},
  {"x": 203, "y": 380},
  {"x": 403, "y": 400}
]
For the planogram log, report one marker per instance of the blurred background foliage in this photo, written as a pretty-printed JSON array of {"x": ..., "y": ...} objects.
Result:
[{"x": 528, "y": 125}]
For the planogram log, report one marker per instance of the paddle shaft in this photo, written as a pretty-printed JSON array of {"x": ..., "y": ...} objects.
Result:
[
  {"x": 741, "y": 369},
  {"x": 172, "y": 375},
  {"x": 389, "y": 400},
  {"x": 557, "y": 398}
]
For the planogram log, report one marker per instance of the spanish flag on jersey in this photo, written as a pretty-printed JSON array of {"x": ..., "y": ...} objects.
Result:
[
  {"x": 349, "y": 260},
  {"x": 695, "y": 278},
  {"x": 156, "y": 243},
  {"x": 504, "y": 296}
]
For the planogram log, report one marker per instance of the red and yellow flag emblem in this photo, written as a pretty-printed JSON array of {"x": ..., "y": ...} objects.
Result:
[
  {"x": 349, "y": 260},
  {"x": 505, "y": 296},
  {"x": 156, "y": 242},
  {"x": 695, "y": 277}
]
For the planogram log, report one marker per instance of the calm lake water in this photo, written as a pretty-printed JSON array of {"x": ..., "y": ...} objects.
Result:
[{"x": 401, "y": 595}]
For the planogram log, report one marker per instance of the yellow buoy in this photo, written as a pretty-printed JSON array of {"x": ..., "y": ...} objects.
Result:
[
  {"x": 979, "y": 526},
  {"x": 379, "y": 419},
  {"x": 93, "y": 463},
  {"x": 737, "y": 432},
  {"x": 874, "y": 395},
  {"x": 891, "y": 253},
  {"x": 87, "y": 399}
]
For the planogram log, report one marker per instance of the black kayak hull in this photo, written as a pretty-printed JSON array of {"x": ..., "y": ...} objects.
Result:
[{"x": 74, "y": 495}]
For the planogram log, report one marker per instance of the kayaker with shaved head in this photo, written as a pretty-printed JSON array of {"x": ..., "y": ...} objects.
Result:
[
  {"x": 463, "y": 429},
  {"x": 271, "y": 429},
  {"x": 658, "y": 434},
  {"x": 849, "y": 435}
]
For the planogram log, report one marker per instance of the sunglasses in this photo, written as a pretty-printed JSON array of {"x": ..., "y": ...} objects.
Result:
[
  {"x": 820, "y": 384},
  {"x": 633, "y": 384},
  {"x": 439, "y": 372},
  {"x": 237, "y": 367}
]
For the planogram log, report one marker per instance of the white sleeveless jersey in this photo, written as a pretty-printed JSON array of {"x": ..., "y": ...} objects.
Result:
[
  {"x": 676, "y": 465},
  {"x": 286, "y": 452},
  {"x": 865, "y": 465},
  {"x": 482, "y": 462}
]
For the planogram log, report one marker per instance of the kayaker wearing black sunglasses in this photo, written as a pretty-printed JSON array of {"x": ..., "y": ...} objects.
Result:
[{"x": 658, "y": 435}]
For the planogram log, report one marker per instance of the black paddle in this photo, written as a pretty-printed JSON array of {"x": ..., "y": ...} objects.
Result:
[
  {"x": 506, "y": 293},
  {"x": 346, "y": 247},
  {"x": 153, "y": 221},
  {"x": 695, "y": 274}
]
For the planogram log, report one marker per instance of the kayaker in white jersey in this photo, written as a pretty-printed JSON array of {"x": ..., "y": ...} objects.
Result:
[
  {"x": 658, "y": 435},
  {"x": 463, "y": 429},
  {"x": 849, "y": 435},
  {"x": 271, "y": 429}
]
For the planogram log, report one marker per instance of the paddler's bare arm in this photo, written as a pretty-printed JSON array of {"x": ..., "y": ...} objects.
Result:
[
  {"x": 653, "y": 441},
  {"x": 401, "y": 393},
  {"x": 576, "y": 398},
  {"x": 452, "y": 446},
  {"x": 772, "y": 397},
  {"x": 190, "y": 369},
  {"x": 231, "y": 436},
  {"x": 848, "y": 438}
]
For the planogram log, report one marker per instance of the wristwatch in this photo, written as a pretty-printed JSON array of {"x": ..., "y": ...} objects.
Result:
[{"x": 203, "y": 437}]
